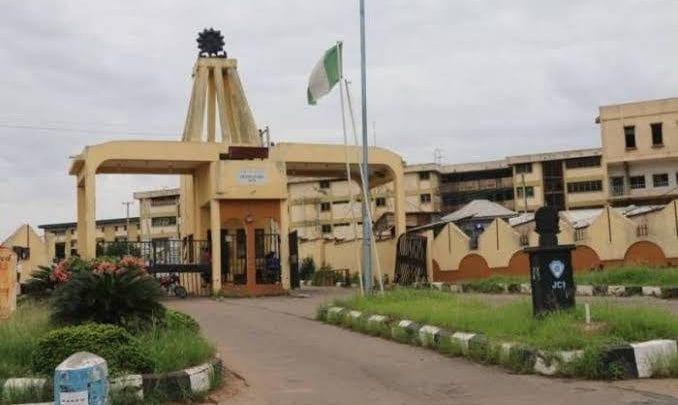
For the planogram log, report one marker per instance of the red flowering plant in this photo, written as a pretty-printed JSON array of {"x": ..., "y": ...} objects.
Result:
[
  {"x": 113, "y": 291},
  {"x": 47, "y": 278}
]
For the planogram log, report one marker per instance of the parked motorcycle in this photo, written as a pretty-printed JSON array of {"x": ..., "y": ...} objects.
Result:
[{"x": 171, "y": 284}]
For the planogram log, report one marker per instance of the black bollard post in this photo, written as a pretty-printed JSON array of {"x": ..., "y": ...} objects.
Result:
[{"x": 551, "y": 275}]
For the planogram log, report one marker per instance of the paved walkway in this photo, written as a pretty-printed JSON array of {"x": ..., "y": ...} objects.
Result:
[{"x": 286, "y": 357}]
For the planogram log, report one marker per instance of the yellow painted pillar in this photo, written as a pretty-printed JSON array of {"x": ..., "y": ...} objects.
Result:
[
  {"x": 81, "y": 228},
  {"x": 399, "y": 201},
  {"x": 87, "y": 214},
  {"x": 215, "y": 227},
  {"x": 429, "y": 255},
  {"x": 8, "y": 284},
  {"x": 284, "y": 245}
]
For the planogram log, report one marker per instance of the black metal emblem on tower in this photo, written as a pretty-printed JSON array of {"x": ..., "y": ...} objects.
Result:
[{"x": 211, "y": 44}]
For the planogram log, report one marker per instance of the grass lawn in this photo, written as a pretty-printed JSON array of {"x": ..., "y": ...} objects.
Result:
[
  {"x": 513, "y": 322},
  {"x": 170, "y": 349},
  {"x": 626, "y": 276}
]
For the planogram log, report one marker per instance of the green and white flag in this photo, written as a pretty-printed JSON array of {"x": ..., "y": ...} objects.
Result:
[{"x": 325, "y": 74}]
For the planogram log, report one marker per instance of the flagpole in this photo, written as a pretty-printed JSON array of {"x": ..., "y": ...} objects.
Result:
[
  {"x": 349, "y": 180},
  {"x": 367, "y": 227}
]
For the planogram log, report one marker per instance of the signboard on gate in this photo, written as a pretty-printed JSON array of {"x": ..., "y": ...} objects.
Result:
[{"x": 7, "y": 282}]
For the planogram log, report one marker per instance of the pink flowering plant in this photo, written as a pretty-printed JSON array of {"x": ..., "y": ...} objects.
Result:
[{"x": 111, "y": 290}]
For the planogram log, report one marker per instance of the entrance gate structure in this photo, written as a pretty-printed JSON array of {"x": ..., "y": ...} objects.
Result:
[{"x": 231, "y": 181}]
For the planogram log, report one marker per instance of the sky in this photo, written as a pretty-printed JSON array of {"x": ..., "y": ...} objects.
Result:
[{"x": 479, "y": 79}]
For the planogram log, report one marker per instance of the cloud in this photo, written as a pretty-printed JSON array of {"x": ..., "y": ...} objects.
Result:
[{"x": 479, "y": 79}]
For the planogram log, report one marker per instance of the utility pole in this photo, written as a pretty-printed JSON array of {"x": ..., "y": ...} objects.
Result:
[
  {"x": 374, "y": 133},
  {"x": 127, "y": 204},
  {"x": 367, "y": 225},
  {"x": 438, "y": 156},
  {"x": 522, "y": 180}
]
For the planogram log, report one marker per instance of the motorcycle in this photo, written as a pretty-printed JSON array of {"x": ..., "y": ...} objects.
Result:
[{"x": 172, "y": 286}]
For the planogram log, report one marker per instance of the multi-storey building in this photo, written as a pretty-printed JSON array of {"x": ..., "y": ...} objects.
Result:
[
  {"x": 566, "y": 179},
  {"x": 463, "y": 183},
  {"x": 320, "y": 207},
  {"x": 62, "y": 239},
  {"x": 640, "y": 151},
  {"x": 159, "y": 214}
]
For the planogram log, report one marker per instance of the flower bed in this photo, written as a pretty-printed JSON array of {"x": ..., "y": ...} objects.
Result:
[{"x": 106, "y": 306}]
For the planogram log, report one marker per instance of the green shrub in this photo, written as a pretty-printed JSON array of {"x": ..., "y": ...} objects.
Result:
[
  {"x": 175, "y": 320},
  {"x": 120, "y": 349},
  {"x": 43, "y": 282},
  {"x": 307, "y": 268},
  {"x": 119, "y": 297},
  {"x": 175, "y": 348}
]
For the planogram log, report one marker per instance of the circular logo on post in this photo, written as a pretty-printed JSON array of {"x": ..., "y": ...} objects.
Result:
[{"x": 557, "y": 268}]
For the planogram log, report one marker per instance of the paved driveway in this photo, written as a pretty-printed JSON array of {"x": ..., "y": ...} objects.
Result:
[{"x": 288, "y": 358}]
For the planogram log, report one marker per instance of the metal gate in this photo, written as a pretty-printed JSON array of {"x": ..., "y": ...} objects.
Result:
[
  {"x": 410, "y": 259},
  {"x": 294, "y": 260}
]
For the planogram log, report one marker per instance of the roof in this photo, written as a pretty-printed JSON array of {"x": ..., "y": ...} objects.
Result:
[
  {"x": 565, "y": 154},
  {"x": 479, "y": 209},
  {"x": 581, "y": 218},
  {"x": 475, "y": 166},
  {"x": 169, "y": 192},
  {"x": 522, "y": 218},
  {"x": 111, "y": 221}
]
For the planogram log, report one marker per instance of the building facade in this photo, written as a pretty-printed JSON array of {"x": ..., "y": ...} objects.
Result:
[
  {"x": 61, "y": 239},
  {"x": 321, "y": 207},
  {"x": 640, "y": 151},
  {"x": 463, "y": 183},
  {"x": 565, "y": 180},
  {"x": 159, "y": 214}
]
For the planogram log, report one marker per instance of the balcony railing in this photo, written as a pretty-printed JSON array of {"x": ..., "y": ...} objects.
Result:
[{"x": 617, "y": 191}]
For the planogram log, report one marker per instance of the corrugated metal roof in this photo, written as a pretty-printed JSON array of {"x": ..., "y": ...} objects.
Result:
[{"x": 478, "y": 209}]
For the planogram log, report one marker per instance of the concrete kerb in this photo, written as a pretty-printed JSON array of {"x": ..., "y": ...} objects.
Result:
[
  {"x": 635, "y": 360},
  {"x": 584, "y": 290},
  {"x": 172, "y": 386}
]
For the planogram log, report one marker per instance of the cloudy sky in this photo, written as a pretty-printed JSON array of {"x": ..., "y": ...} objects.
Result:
[{"x": 478, "y": 79}]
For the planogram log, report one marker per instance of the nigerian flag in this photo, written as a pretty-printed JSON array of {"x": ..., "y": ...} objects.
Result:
[{"x": 325, "y": 74}]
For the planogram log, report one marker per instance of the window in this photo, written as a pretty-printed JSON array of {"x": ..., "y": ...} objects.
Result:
[
  {"x": 630, "y": 137},
  {"x": 72, "y": 231},
  {"x": 340, "y": 202},
  {"x": 163, "y": 221},
  {"x": 588, "y": 161},
  {"x": 425, "y": 198},
  {"x": 163, "y": 201},
  {"x": 424, "y": 175},
  {"x": 657, "y": 134},
  {"x": 325, "y": 206},
  {"x": 116, "y": 228},
  {"x": 342, "y": 224},
  {"x": 529, "y": 191},
  {"x": 524, "y": 168},
  {"x": 380, "y": 202},
  {"x": 326, "y": 228},
  {"x": 324, "y": 184},
  {"x": 660, "y": 180},
  {"x": 124, "y": 227},
  {"x": 637, "y": 182},
  {"x": 585, "y": 186}
]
